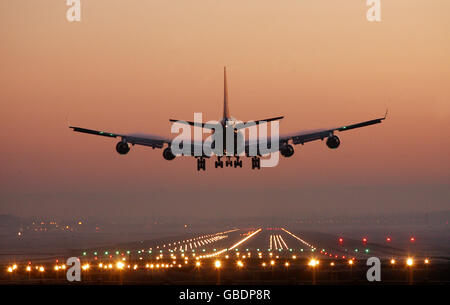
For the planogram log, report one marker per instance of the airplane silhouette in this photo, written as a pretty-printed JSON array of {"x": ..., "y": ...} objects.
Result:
[{"x": 227, "y": 125}]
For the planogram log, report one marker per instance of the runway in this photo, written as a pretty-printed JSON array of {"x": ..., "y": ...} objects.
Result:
[{"x": 260, "y": 254}]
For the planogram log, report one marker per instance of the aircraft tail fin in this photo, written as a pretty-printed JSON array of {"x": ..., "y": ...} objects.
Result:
[{"x": 226, "y": 111}]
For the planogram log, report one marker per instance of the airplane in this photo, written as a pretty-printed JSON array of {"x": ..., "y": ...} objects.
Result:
[{"x": 228, "y": 122}]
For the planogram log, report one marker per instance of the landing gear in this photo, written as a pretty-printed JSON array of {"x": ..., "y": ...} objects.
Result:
[
  {"x": 201, "y": 164},
  {"x": 237, "y": 163},
  {"x": 218, "y": 163},
  {"x": 256, "y": 162},
  {"x": 228, "y": 162}
]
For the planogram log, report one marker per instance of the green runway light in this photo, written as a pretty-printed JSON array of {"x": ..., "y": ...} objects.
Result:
[
  {"x": 95, "y": 253},
  {"x": 367, "y": 250},
  {"x": 117, "y": 252},
  {"x": 84, "y": 253},
  {"x": 106, "y": 253},
  {"x": 128, "y": 252},
  {"x": 356, "y": 250}
]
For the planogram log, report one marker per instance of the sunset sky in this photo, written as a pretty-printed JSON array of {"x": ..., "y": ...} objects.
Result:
[{"x": 129, "y": 66}]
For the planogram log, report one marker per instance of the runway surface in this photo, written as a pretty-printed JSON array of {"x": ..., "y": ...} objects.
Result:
[{"x": 259, "y": 255}]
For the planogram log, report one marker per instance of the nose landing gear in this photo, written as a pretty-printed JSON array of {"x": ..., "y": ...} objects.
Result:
[
  {"x": 228, "y": 162},
  {"x": 256, "y": 162}
]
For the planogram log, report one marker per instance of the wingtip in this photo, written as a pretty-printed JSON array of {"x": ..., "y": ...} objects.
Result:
[{"x": 386, "y": 113}]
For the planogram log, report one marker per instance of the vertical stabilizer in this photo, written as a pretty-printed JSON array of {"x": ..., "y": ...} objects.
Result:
[{"x": 226, "y": 111}]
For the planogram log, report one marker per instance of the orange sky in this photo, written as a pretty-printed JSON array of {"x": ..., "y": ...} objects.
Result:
[{"x": 131, "y": 65}]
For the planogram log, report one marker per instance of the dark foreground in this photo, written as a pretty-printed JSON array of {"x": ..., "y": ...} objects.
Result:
[{"x": 232, "y": 271}]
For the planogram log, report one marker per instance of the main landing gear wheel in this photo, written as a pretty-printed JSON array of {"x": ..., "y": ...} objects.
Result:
[
  {"x": 256, "y": 163},
  {"x": 237, "y": 162},
  {"x": 228, "y": 162},
  {"x": 218, "y": 163},
  {"x": 201, "y": 164}
]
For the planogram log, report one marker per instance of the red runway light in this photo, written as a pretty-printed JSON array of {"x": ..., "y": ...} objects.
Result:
[
  {"x": 364, "y": 240},
  {"x": 388, "y": 239},
  {"x": 412, "y": 239},
  {"x": 341, "y": 240}
]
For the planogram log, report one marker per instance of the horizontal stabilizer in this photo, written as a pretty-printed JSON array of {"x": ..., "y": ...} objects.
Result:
[
  {"x": 197, "y": 124},
  {"x": 250, "y": 123}
]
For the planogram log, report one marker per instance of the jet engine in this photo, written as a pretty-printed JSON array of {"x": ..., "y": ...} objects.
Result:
[
  {"x": 287, "y": 150},
  {"x": 333, "y": 142},
  {"x": 122, "y": 148},
  {"x": 168, "y": 154}
]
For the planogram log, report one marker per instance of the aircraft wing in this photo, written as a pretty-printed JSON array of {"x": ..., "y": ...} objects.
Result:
[
  {"x": 138, "y": 139},
  {"x": 305, "y": 136},
  {"x": 319, "y": 134}
]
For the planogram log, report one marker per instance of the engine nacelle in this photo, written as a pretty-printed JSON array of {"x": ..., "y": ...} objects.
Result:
[
  {"x": 287, "y": 150},
  {"x": 122, "y": 148},
  {"x": 168, "y": 154},
  {"x": 333, "y": 142}
]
